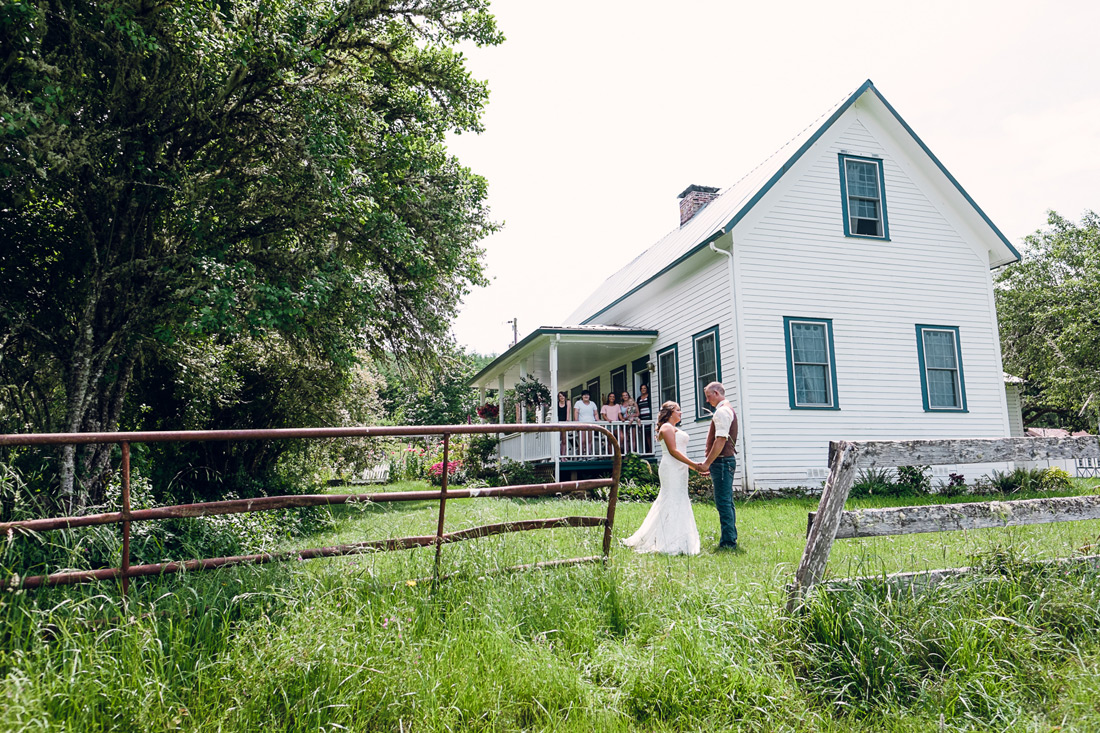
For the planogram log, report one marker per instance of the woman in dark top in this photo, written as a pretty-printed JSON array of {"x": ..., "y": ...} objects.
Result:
[
  {"x": 564, "y": 415},
  {"x": 645, "y": 412}
]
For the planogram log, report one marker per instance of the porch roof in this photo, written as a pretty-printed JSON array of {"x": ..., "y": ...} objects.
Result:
[{"x": 582, "y": 350}]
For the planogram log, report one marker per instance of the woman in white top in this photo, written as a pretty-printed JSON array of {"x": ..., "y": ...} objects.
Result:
[
  {"x": 586, "y": 411},
  {"x": 669, "y": 527}
]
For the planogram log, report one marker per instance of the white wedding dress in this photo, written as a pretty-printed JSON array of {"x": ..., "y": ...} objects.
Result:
[{"x": 669, "y": 528}]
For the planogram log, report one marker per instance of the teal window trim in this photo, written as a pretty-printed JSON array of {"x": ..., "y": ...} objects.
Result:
[
  {"x": 961, "y": 380},
  {"x": 834, "y": 399},
  {"x": 881, "y": 197},
  {"x": 640, "y": 364},
  {"x": 702, "y": 409},
  {"x": 674, "y": 382},
  {"x": 575, "y": 394}
]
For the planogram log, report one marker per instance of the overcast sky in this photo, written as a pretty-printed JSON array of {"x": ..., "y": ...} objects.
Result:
[{"x": 603, "y": 111}]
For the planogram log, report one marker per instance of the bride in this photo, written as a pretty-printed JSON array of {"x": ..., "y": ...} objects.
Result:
[{"x": 669, "y": 528}]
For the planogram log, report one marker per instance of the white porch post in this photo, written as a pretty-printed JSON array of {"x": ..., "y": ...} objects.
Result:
[
  {"x": 523, "y": 415},
  {"x": 555, "y": 444},
  {"x": 500, "y": 416}
]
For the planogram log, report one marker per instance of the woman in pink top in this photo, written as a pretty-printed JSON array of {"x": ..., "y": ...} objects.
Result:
[
  {"x": 612, "y": 413},
  {"x": 610, "y": 410}
]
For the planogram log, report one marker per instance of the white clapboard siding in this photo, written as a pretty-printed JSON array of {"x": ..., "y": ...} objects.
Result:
[
  {"x": 688, "y": 300},
  {"x": 794, "y": 260}
]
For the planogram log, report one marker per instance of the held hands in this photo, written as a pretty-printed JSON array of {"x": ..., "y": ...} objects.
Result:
[{"x": 700, "y": 468}]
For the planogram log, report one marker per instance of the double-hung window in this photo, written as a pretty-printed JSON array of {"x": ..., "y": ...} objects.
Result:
[
  {"x": 668, "y": 377},
  {"x": 811, "y": 367},
  {"x": 863, "y": 197},
  {"x": 707, "y": 368},
  {"x": 941, "y": 373}
]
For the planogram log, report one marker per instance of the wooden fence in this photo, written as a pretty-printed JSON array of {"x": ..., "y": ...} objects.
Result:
[
  {"x": 268, "y": 503},
  {"x": 832, "y": 522}
]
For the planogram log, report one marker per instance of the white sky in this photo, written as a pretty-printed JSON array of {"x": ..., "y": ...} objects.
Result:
[{"x": 602, "y": 111}]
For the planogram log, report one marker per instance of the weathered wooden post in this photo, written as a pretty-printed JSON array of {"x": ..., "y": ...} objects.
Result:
[{"x": 842, "y": 468}]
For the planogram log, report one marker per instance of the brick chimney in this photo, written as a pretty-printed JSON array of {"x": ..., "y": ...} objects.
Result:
[{"x": 693, "y": 199}]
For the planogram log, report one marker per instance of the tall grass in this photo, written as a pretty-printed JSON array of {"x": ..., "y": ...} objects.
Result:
[{"x": 643, "y": 644}]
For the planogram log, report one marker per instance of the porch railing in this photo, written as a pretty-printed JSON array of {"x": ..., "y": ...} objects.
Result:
[
  {"x": 268, "y": 503},
  {"x": 575, "y": 443}
]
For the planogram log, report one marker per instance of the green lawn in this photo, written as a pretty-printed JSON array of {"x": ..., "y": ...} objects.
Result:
[{"x": 647, "y": 643}]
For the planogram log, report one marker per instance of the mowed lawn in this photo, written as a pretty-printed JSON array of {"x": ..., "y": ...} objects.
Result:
[{"x": 645, "y": 643}]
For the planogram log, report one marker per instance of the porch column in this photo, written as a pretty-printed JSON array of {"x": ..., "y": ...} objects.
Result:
[
  {"x": 500, "y": 416},
  {"x": 555, "y": 444},
  {"x": 523, "y": 415}
]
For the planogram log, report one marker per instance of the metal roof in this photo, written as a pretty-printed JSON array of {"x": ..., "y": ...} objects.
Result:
[
  {"x": 731, "y": 205},
  {"x": 584, "y": 347}
]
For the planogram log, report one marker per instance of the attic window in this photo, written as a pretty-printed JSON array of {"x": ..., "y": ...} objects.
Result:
[{"x": 863, "y": 198}]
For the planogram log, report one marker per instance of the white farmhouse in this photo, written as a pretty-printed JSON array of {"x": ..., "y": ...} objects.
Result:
[{"x": 841, "y": 290}]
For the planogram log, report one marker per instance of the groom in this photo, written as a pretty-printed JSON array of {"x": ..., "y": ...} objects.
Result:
[{"x": 721, "y": 461}]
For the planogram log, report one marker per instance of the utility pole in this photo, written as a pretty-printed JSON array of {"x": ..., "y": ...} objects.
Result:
[{"x": 515, "y": 330}]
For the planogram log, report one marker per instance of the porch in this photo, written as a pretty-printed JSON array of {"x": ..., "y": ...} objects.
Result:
[
  {"x": 572, "y": 359},
  {"x": 575, "y": 446}
]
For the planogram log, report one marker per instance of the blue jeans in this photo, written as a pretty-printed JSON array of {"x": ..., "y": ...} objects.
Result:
[{"x": 721, "y": 474}]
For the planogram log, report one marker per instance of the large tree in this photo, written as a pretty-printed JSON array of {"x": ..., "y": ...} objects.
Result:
[
  {"x": 203, "y": 169},
  {"x": 1048, "y": 305}
]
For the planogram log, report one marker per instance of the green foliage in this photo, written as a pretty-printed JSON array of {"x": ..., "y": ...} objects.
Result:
[
  {"x": 532, "y": 394},
  {"x": 700, "y": 486},
  {"x": 954, "y": 486},
  {"x": 914, "y": 480},
  {"x": 874, "y": 481},
  {"x": 480, "y": 454},
  {"x": 1018, "y": 479},
  {"x": 1055, "y": 479},
  {"x": 513, "y": 473},
  {"x": 408, "y": 462},
  {"x": 632, "y": 490},
  {"x": 965, "y": 651},
  {"x": 1048, "y": 306},
  {"x": 439, "y": 396},
  {"x": 184, "y": 176},
  {"x": 637, "y": 469}
]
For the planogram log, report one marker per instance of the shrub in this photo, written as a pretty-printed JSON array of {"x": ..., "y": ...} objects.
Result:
[
  {"x": 512, "y": 473},
  {"x": 954, "y": 486},
  {"x": 1055, "y": 479},
  {"x": 1019, "y": 479},
  {"x": 480, "y": 454},
  {"x": 700, "y": 487},
  {"x": 871, "y": 481},
  {"x": 407, "y": 463},
  {"x": 630, "y": 490},
  {"x": 914, "y": 480},
  {"x": 637, "y": 469},
  {"x": 456, "y": 473}
]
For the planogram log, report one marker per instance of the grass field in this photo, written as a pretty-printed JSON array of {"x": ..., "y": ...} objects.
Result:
[{"x": 647, "y": 643}]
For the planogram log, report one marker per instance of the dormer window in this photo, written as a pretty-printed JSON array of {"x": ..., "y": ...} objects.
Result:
[{"x": 863, "y": 198}]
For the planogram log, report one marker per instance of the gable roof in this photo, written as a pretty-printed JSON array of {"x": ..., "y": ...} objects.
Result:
[{"x": 732, "y": 204}]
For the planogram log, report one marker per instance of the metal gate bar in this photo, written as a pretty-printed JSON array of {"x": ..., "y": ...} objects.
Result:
[{"x": 270, "y": 503}]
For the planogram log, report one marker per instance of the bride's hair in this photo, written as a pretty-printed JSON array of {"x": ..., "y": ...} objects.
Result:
[{"x": 665, "y": 413}]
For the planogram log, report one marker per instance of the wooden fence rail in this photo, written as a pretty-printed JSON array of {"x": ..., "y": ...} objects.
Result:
[
  {"x": 831, "y": 521},
  {"x": 269, "y": 503}
]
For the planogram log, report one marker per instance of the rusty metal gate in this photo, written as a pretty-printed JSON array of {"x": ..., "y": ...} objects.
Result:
[{"x": 268, "y": 503}]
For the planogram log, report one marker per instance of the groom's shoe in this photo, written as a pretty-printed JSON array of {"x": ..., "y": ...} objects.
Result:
[{"x": 726, "y": 548}]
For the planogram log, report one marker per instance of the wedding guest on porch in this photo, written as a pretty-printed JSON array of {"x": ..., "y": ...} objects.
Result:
[
  {"x": 585, "y": 411},
  {"x": 611, "y": 410},
  {"x": 629, "y": 413},
  {"x": 645, "y": 413},
  {"x": 565, "y": 414},
  {"x": 612, "y": 413}
]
